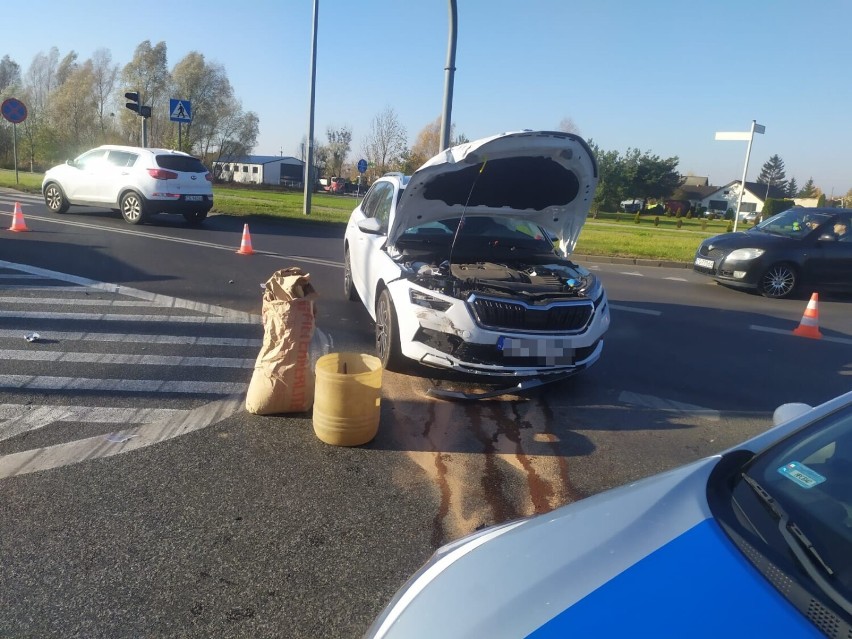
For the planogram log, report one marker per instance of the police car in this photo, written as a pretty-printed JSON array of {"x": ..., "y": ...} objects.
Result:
[{"x": 754, "y": 542}]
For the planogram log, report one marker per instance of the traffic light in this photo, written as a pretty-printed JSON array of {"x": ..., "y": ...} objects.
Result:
[{"x": 133, "y": 105}]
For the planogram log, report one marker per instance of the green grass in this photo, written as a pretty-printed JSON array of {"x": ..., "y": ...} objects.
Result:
[{"x": 608, "y": 234}]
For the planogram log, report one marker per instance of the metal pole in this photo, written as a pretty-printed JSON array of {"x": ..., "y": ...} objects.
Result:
[
  {"x": 15, "y": 148},
  {"x": 450, "y": 69},
  {"x": 745, "y": 170},
  {"x": 309, "y": 167},
  {"x": 180, "y": 136}
]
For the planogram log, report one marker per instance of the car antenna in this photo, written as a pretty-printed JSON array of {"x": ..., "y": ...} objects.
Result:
[{"x": 464, "y": 211}]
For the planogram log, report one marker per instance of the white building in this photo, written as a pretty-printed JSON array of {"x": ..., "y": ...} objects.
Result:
[
  {"x": 261, "y": 169},
  {"x": 754, "y": 197}
]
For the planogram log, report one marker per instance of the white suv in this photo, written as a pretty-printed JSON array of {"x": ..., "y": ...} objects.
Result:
[{"x": 136, "y": 181}]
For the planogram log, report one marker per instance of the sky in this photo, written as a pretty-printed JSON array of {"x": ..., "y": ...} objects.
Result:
[{"x": 659, "y": 76}]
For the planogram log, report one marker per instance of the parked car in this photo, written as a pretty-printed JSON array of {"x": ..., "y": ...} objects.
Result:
[
  {"x": 749, "y": 217},
  {"x": 633, "y": 205},
  {"x": 753, "y": 542},
  {"x": 137, "y": 181},
  {"x": 793, "y": 249},
  {"x": 464, "y": 265}
]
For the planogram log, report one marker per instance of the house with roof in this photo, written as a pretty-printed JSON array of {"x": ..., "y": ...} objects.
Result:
[
  {"x": 754, "y": 197},
  {"x": 261, "y": 169}
]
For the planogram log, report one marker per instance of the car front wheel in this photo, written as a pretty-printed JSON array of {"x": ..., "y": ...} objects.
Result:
[
  {"x": 778, "y": 281},
  {"x": 55, "y": 199},
  {"x": 349, "y": 291},
  {"x": 132, "y": 208},
  {"x": 387, "y": 334}
]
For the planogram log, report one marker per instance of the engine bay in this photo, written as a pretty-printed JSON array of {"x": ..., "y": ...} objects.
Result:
[{"x": 554, "y": 280}]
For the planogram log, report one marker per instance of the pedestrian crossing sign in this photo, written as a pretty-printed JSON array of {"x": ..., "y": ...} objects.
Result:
[{"x": 180, "y": 110}]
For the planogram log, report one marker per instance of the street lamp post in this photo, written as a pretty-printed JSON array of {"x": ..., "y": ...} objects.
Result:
[{"x": 737, "y": 135}]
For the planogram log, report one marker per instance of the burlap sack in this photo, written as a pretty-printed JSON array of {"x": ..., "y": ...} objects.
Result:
[{"x": 283, "y": 380}]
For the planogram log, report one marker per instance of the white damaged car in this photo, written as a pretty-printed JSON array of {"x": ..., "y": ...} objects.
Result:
[{"x": 464, "y": 265}]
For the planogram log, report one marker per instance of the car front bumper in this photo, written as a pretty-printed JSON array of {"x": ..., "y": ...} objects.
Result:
[
  {"x": 740, "y": 273},
  {"x": 453, "y": 340}
]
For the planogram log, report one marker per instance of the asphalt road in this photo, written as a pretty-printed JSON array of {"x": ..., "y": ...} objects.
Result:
[{"x": 230, "y": 524}]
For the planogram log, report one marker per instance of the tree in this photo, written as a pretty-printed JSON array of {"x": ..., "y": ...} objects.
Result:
[
  {"x": 104, "y": 77},
  {"x": 386, "y": 142},
  {"x": 146, "y": 73},
  {"x": 809, "y": 189},
  {"x": 792, "y": 188},
  {"x": 650, "y": 176},
  {"x": 10, "y": 73},
  {"x": 339, "y": 143},
  {"x": 611, "y": 179},
  {"x": 566, "y": 125},
  {"x": 772, "y": 173},
  {"x": 73, "y": 113}
]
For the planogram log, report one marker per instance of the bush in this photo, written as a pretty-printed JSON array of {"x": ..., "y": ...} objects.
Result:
[
  {"x": 730, "y": 226},
  {"x": 679, "y": 221},
  {"x": 689, "y": 215},
  {"x": 637, "y": 218},
  {"x": 774, "y": 206},
  {"x": 703, "y": 223},
  {"x": 657, "y": 221}
]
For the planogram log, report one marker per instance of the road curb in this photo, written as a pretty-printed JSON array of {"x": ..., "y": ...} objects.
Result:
[{"x": 634, "y": 261}]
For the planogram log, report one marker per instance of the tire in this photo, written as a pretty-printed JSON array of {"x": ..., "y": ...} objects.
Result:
[
  {"x": 349, "y": 291},
  {"x": 132, "y": 208},
  {"x": 387, "y": 333},
  {"x": 55, "y": 200},
  {"x": 778, "y": 281},
  {"x": 195, "y": 218}
]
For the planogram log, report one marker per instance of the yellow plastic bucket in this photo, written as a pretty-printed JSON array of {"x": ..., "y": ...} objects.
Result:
[{"x": 347, "y": 398}]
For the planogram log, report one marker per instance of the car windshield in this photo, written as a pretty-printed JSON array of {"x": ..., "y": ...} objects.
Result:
[
  {"x": 793, "y": 223},
  {"x": 809, "y": 475},
  {"x": 481, "y": 235}
]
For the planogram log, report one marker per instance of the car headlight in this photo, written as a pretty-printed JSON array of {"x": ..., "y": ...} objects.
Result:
[
  {"x": 745, "y": 254},
  {"x": 423, "y": 299}
]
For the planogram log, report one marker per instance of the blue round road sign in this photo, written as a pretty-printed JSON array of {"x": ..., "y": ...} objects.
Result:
[
  {"x": 362, "y": 166},
  {"x": 14, "y": 110}
]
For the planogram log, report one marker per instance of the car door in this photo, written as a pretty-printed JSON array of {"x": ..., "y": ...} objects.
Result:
[
  {"x": 82, "y": 181},
  {"x": 116, "y": 175},
  {"x": 365, "y": 253},
  {"x": 832, "y": 265}
]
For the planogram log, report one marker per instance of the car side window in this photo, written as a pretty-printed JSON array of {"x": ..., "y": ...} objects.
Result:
[
  {"x": 378, "y": 203},
  {"x": 91, "y": 159},
  {"x": 122, "y": 158}
]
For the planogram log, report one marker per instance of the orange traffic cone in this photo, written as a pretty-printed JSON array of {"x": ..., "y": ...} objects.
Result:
[
  {"x": 245, "y": 244},
  {"x": 809, "y": 326},
  {"x": 18, "y": 223}
]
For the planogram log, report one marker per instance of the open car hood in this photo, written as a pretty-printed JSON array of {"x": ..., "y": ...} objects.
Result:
[{"x": 546, "y": 177}]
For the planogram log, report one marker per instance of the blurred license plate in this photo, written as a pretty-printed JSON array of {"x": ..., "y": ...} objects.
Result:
[
  {"x": 553, "y": 351},
  {"x": 194, "y": 198},
  {"x": 700, "y": 261}
]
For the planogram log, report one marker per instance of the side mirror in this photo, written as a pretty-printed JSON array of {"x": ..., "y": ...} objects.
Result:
[
  {"x": 70, "y": 162},
  {"x": 371, "y": 225}
]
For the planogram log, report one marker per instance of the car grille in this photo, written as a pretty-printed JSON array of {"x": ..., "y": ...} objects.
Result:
[
  {"x": 517, "y": 316},
  {"x": 715, "y": 253}
]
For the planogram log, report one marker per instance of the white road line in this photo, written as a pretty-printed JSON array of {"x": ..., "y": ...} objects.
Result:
[
  {"x": 120, "y": 442},
  {"x": 632, "y": 273},
  {"x": 156, "y": 299},
  {"x": 139, "y": 338},
  {"x": 676, "y": 279},
  {"x": 632, "y": 309},
  {"x": 43, "y": 382},
  {"x": 114, "y": 317},
  {"x": 779, "y": 331},
  {"x": 130, "y": 360},
  {"x": 16, "y": 418},
  {"x": 658, "y": 403},
  {"x": 71, "y": 301}
]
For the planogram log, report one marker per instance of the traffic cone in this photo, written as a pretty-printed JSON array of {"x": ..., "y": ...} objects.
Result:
[
  {"x": 809, "y": 326},
  {"x": 245, "y": 244},
  {"x": 18, "y": 223}
]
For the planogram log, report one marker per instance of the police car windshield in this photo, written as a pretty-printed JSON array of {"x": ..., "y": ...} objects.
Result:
[{"x": 809, "y": 475}]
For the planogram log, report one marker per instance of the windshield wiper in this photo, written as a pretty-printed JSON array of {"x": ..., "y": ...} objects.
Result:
[
  {"x": 786, "y": 526},
  {"x": 796, "y": 540}
]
